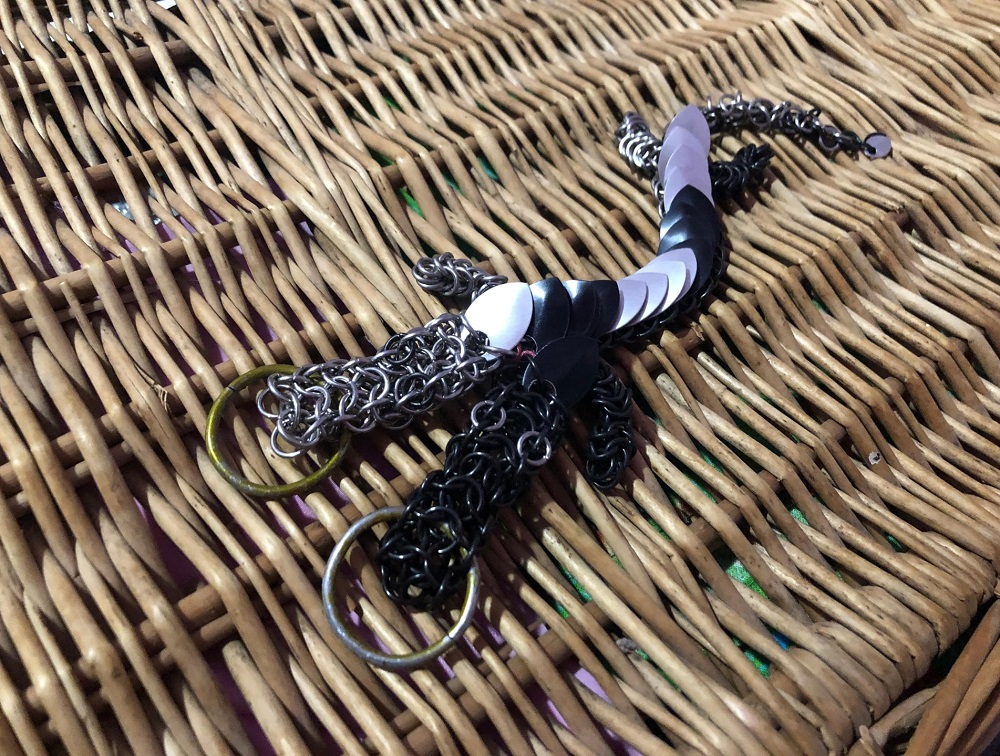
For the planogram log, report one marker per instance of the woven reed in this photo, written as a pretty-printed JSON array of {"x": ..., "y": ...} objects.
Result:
[
  {"x": 959, "y": 715},
  {"x": 189, "y": 193}
]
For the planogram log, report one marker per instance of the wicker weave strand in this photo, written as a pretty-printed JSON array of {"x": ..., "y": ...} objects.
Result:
[{"x": 813, "y": 513}]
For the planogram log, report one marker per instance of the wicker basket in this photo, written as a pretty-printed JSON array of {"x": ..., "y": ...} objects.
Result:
[{"x": 192, "y": 191}]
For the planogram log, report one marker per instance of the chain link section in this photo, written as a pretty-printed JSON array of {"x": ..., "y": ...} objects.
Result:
[
  {"x": 414, "y": 373},
  {"x": 426, "y": 555},
  {"x": 449, "y": 276},
  {"x": 641, "y": 149},
  {"x": 610, "y": 443},
  {"x": 733, "y": 113},
  {"x": 744, "y": 171},
  {"x": 637, "y": 145}
]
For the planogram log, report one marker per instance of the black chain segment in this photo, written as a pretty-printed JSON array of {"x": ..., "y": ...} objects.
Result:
[
  {"x": 426, "y": 555},
  {"x": 610, "y": 444},
  {"x": 730, "y": 178}
]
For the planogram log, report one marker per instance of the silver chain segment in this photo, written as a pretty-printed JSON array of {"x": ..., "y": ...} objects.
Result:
[
  {"x": 414, "y": 373},
  {"x": 449, "y": 276},
  {"x": 733, "y": 112},
  {"x": 641, "y": 151}
]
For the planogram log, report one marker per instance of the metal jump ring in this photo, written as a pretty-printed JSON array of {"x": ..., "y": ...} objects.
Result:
[
  {"x": 391, "y": 662},
  {"x": 234, "y": 478}
]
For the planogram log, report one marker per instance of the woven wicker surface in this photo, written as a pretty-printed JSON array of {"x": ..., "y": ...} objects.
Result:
[
  {"x": 959, "y": 714},
  {"x": 190, "y": 193}
]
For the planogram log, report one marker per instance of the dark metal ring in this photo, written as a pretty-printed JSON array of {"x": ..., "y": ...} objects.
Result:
[{"x": 392, "y": 662}]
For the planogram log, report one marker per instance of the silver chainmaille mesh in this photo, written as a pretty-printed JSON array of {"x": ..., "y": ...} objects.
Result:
[
  {"x": 641, "y": 150},
  {"x": 415, "y": 372},
  {"x": 449, "y": 276},
  {"x": 733, "y": 112}
]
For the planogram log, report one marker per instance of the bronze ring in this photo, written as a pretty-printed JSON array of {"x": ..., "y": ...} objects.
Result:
[{"x": 234, "y": 478}]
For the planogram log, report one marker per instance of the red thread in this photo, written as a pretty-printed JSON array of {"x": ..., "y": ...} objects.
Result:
[{"x": 521, "y": 353}]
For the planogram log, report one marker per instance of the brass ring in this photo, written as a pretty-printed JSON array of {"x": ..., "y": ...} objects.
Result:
[
  {"x": 236, "y": 480},
  {"x": 391, "y": 662}
]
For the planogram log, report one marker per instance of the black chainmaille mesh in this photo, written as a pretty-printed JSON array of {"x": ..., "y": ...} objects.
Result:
[
  {"x": 426, "y": 555},
  {"x": 744, "y": 171},
  {"x": 610, "y": 445}
]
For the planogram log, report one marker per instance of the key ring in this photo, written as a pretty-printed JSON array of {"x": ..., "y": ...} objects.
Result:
[
  {"x": 236, "y": 480},
  {"x": 391, "y": 662}
]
